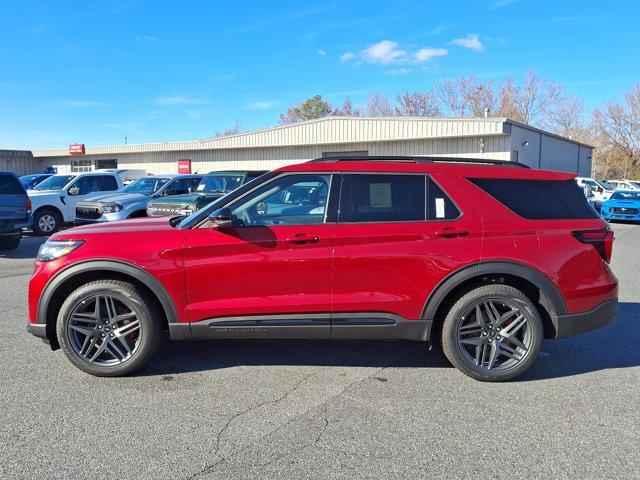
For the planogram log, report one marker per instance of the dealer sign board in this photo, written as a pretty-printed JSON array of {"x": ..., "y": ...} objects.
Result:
[
  {"x": 184, "y": 166},
  {"x": 76, "y": 149}
]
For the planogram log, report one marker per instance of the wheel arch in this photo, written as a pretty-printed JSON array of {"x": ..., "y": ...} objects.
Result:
[
  {"x": 80, "y": 273},
  {"x": 49, "y": 207},
  {"x": 540, "y": 288}
]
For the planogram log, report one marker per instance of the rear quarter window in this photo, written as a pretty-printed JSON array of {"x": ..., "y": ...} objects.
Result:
[
  {"x": 539, "y": 199},
  {"x": 10, "y": 185}
]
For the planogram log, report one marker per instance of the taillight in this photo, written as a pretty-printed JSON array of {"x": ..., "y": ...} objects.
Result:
[
  {"x": 28, "y": 205},
  {"x": 602, "y": 241}
]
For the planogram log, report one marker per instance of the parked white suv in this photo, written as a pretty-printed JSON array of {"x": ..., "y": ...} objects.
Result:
[
  {"x": 54, "y": 200},
  {"x": 601, "y": 190},
  {"x": 623, "y": 184}
]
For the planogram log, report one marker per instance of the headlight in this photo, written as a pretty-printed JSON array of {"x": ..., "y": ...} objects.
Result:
[
  {"x": 111, "y": 208},
  {"x": 52, "y": 249}
]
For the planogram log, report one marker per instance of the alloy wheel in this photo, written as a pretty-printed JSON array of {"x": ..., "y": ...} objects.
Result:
[
  {"x": 47, "y": 223},
  {"x": 495, "y": 334},
  {"x": 104, "y": 330}
]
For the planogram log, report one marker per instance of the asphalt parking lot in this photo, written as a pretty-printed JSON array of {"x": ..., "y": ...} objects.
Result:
[{"x": 305, "y": 409}]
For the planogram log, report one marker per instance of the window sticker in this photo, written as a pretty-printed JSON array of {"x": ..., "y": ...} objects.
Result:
[
  {"x": 380, "y": 195},
  {"x": 439, "y": 207}
]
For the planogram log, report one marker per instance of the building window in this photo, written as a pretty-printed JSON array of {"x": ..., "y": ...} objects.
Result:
[
  {"x": 79, "y": 166},
  {"x": 362, "y": 153},
  {"x": 514, "y": 156},
  {"x": 110, "y": 163}
]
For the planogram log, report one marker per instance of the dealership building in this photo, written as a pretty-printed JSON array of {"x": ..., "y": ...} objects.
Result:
[{"x": 488, "y": 138}]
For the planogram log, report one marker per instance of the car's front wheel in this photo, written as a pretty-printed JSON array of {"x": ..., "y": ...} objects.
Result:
[
  {"x": 109, "y": 328},
  {"x": 46, "y": 222},
  {"x": 492, "y": 333}
]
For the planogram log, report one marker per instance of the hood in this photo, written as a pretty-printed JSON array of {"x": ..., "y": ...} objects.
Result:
[
  {"x": 115, "y": 197},
  {"x": 135, "y": 225},
  {"x": 188, "y": 198},
  {"x": 44, "y": 193},
  {"x": 622, "y": 203}
]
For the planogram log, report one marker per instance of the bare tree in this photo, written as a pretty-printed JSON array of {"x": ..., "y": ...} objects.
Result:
[
  {"x": 377, "y": 105},
  {"x": 530, "y": 102},
  {"x": 417, "y": 104},
  {"x": 566, "y": 117},
  {"x": 466, "y": 96},
  {"x": 618, "y": 125},
  {"x": 234, "y": 130},
  {"x": 346, "y": 110}
]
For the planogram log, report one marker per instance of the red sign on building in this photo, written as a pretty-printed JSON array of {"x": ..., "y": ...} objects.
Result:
[
  {"x": 76, "y": 149},
  {"x": 184, "y": 166}
]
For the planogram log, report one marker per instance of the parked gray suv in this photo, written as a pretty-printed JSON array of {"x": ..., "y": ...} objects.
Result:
[
  {"x": 131, "y": 201},
  {"x": 15, "y": 211}
]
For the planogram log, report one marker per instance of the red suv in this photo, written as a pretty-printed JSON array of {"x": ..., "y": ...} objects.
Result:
[{"x": 484, "y": 256}]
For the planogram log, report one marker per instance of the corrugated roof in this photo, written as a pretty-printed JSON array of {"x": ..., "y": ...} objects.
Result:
[{"x": 327, "y": 130}]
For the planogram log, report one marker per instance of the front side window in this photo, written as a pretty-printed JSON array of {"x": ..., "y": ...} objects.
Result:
[
  {"x": 287, "y": 200},
  {"x": 382, "y": 198},
  {"x": 87, "y": 185},
  {"x": 178, "y": 187},
  {"x": 107, "y": 183}
]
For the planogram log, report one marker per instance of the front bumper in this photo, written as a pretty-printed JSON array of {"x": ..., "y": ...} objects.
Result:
[
  {"x": 576, "y": 323},
  {"x": 104, "y": 218},
  {"x": 634, "y": 217},
  {"x": 37, "y": 329}
]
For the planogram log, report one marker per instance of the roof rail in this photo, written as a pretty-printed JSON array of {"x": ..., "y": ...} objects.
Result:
[{"x": 417, "y": 159}]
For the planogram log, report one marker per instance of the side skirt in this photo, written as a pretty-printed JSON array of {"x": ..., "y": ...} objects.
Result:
[{"x": 353, "y": 326}]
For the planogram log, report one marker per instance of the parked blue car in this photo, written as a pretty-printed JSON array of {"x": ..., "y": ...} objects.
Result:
[
  {"x": 623, "y": 205},
  {"x": 30, "y": 181}
]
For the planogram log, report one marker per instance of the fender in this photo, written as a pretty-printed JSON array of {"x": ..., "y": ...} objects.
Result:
[
  {"x": 537, "y": 278},
  {"x": 111, "y": 266}
]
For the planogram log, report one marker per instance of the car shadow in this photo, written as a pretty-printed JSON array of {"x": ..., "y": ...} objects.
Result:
[
  {"x": 610, "y": 348},
  {"x": 28, "y": 248}
]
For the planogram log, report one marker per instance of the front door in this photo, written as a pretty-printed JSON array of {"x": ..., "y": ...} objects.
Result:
[
  {"x": 84, "y": 188},
  {"x": 397, "y": 237},
  {"x": 268, "y": 274}
]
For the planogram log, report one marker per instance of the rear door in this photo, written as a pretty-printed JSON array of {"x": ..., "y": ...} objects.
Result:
[
  {"x": 13, "y": 201},
  {"x": 398, "y": 236}
]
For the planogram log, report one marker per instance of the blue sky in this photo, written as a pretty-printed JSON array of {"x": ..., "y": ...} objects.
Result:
[{"x": 95, "y": 72}]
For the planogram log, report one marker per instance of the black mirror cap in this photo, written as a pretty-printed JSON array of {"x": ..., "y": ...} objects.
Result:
[{"x": 220, "y": 218}]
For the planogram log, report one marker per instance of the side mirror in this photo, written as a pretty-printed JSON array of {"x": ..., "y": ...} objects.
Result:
[
  {"x": 74, "y": 191},
  {"x": 220, "y": 218}
]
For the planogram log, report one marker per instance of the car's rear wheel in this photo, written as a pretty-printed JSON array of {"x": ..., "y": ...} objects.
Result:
[
  {"x": 10, "y": 242},
  {"x": 46, "y": 222},
  {"x": 109, "y": 328},
  {"x": 492, "y": 333}
]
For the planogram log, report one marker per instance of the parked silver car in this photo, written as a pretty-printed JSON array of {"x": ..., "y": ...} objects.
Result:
[{"x": 131, "y": 201}]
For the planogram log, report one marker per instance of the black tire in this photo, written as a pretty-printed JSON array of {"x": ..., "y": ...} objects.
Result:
[
  {"x": 464, "y": 349},
  {"x": 9, "y": 243},
  {"x": 150, "y": 334},
  {"x": 44, "y": 217}
]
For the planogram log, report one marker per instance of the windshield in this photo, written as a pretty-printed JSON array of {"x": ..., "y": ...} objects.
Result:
[
  {"x": 219, "y": 183},
  {"x": 635, "y": 184},
  {"x": 625, "y": 195},
  {"x": 145, "y": 186},
  {"x": 54, "y": 183}
]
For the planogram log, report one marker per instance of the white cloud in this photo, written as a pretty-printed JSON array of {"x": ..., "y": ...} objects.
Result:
[
  {"x": 146, "y": 39},
  {"x": 261, "y": 104},
  {"x": 398, "y": 71},
  {"x": 383, "y": 52},
  {"x": 81, "y": 103},
  {"x": 427, "y": 53},
  {"x": 347, "y": 57},
  {"x": 321, "y": 52},
  {"x": 194, "y": 114},
  {"x": 471, "y": 41},
  {"x": 178, "y": 100}
]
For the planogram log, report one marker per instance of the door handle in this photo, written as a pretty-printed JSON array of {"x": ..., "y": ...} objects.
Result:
[
  {"x": 451, "y": 232},
  {"x": 302, "y": 238}
]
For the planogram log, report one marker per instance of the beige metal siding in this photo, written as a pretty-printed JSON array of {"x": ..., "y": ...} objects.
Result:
[
  {"x": 21, "y": 162},
  {"x": 496, "y": 147}
]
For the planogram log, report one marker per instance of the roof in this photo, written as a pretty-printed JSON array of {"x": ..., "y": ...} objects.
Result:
[
  {"x": 468, "y": 169},
  {"x": 328, "y": 130}
]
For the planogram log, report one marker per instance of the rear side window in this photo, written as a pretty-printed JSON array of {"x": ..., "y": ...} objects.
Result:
[
  {"x": 539, "y": 199},
  {"x": 107, "y": 183},
  {"x": 382, "y": 198},
  {"x": 10, "y": 185},
  {"x": 440, "y": 206}
]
